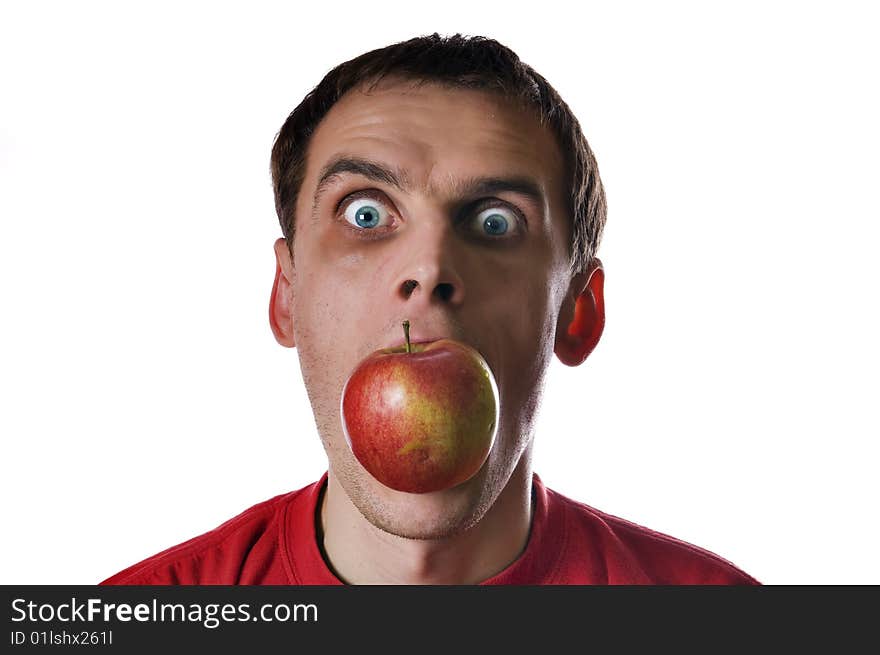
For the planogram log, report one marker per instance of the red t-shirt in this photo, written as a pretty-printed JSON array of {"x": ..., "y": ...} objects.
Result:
[{"x": 274, "y": 543}]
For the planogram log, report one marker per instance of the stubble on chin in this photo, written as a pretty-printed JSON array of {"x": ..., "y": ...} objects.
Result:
[{"x": 412, "y": 517}]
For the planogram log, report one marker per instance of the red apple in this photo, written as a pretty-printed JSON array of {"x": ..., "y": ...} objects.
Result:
[{"x": 421, "y": 417}]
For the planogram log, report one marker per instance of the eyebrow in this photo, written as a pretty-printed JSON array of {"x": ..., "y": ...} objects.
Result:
[
  {"x": 363, "y": 167},
  {"x": 473, "y": 186}
]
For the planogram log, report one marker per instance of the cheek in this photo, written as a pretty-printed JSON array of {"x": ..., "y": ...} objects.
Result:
[
  {"x": 531, "y": 333},
  {"x": 322, "y": 343},
  {"x": 328, "y": 278},
  {"x": 524, "y": 303},
  {"x": 330, "y": 305},
  {"x": 324, "y": 310},
  {"x": 513, "y": 318}
]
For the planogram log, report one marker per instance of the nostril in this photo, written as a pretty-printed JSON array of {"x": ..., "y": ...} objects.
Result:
[
  {"x": 444, "y": 291},
  {"x": 409, "y": 286}
]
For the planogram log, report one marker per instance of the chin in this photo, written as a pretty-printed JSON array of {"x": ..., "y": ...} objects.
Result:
[
  {"x": 428, "y": 516},
  {"x": 433, "y": 516}
]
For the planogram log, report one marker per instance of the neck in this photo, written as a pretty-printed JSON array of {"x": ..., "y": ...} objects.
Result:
[{"x": 361, "y": 553}]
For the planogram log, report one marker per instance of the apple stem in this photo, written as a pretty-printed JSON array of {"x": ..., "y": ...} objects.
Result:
[{"x": 406, "y": 336}]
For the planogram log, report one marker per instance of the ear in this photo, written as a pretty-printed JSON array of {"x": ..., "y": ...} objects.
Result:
[
  {"x": 582, "y": 316},
  {"x": 280, "y": 311}
]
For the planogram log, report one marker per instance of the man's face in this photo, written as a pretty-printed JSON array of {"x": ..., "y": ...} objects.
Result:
[{"x": 444, "y": 207}]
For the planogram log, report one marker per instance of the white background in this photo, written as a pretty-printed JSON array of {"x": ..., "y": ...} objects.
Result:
[{"x": 732, "y": 401}]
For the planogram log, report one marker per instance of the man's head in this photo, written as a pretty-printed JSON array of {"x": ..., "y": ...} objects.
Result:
[
  {"x": 445, "y": 182},
  {"x": 457, "y": 62}
]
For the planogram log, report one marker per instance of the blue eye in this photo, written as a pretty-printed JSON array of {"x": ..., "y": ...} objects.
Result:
[
  {"x": 366, "y": 213},
  {"x": 367, "y": 216},
  {"x": 495, "y": 221}
]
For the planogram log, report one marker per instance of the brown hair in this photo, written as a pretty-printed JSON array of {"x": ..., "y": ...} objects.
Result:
[{"x": 458, "y": 62}]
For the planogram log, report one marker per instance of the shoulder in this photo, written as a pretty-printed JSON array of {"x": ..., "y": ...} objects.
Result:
[
  {"x": 634, "y": 554},
  {"x": 246, "y": 549}
]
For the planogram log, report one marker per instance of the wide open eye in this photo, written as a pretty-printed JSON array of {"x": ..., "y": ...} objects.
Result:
[
  {"x": 496, "y": 221},
  {"x": 366, "y": 213}
]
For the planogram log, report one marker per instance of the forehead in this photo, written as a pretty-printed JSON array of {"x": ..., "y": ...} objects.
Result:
[{"x": 436, "y": 136}]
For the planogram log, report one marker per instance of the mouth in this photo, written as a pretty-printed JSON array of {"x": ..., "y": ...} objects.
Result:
[
  {"x": 421, "y": 335},
  {"x": 425, "y": 337},
  {"x": 401, "y": 343}
]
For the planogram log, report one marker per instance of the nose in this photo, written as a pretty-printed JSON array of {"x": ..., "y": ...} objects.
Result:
[{"x": 428, "y": 274}]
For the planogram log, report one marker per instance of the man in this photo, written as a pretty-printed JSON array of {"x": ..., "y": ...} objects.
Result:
[{"x": 444, "y": 182}]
